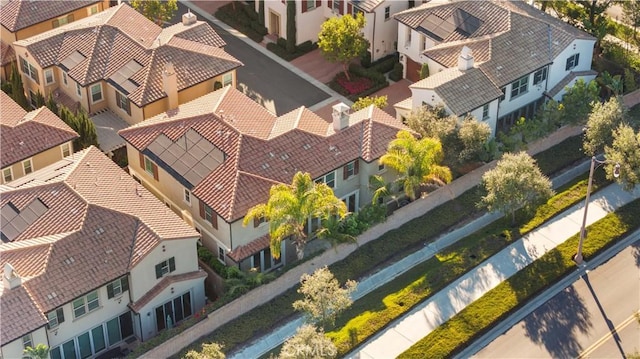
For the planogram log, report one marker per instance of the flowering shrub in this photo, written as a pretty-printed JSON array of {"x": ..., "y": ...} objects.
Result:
[{"x": 356, "y": 85}]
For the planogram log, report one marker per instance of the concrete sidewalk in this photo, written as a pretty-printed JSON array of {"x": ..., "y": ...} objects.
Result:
[{"x": 423, "y": 319}]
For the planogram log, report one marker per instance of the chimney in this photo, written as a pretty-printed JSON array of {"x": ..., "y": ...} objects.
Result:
[
  {"x": 340, "y": 116},
  {"x": 170, "y": 85},
  {"x": 188, "y": 19},
  {"x": 10, "y": 279},
  {"x": 465, "y": 61}
]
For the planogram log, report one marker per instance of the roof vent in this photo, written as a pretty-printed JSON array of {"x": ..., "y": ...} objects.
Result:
[
  {"x": 10, "y": 279},
  {"x": 188, "y": 18},
  {"x": 340, "y": 116}
]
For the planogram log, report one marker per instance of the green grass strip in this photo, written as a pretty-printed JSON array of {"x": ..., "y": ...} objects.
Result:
[
  {"x": 481, "y": 315},
  {"x": 376, "y": 310}
]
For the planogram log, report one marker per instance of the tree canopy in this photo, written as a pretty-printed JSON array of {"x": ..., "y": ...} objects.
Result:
[
  {"x": 158, "y": 11},
  {"x": 604, "y": 118},
  {"x": 516, "y": 182},
  {"x": 625, "y": 151},
  {"x": 341, "y": 40},
  {"x": 290, "y": 206},
  {"x": 417, "y": 161},
  {"x": 308, "y": 343},
  {"x": 323, "y": 297},
  {"x": 578, "y": 101},
  {"x": 364, "y": 102},
  {"x": 209, "y": 351}
]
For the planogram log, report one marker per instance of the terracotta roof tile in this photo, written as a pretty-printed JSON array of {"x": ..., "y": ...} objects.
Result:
[
  {"x": 162, "y": 285},
  {"x": 97, "y": 225},
  {"x": 19, "y": 14},
  {"x": 20, "y": 314},
  {"x": 249, "y": 249},
  {"x": 25, "y": 134},
  {"x": 447, "y": 54},
  {"x": 109, "y": 40},
  {"x": 258, "y": 157}
]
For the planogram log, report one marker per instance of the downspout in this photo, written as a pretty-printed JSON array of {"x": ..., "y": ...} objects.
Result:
[
  {"x": 546, "y": 81},
  {"x": 373, "y": 37}
]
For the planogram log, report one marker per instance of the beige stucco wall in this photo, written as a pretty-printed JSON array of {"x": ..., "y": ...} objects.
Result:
[
  {"x": 14, "y": 349},
  {"x": 40, "y": 160}
]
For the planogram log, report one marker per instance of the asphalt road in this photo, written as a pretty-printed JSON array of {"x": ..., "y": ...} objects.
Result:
[
  {"x": 263, "y": 79},
  {"x": 593, "y": 318}
]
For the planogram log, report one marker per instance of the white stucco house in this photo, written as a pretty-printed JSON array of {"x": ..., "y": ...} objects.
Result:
[
  {"x": 495, "y": 60},
  {"x": 91, "y": 261},
  {"x": 381, "y": 30}
]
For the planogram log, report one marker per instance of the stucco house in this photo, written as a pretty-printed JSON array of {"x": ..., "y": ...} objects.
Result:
[
  {"x": 120, "y": 61},
  {"x": 219, "y": 155},
  {"x": 381, "y": 30},
  {"x": 91, "y": 261},
  {"x": 30, "y": 140},
  {"x": 496, "y": 60},
  {"x": 21, "y": 19}
]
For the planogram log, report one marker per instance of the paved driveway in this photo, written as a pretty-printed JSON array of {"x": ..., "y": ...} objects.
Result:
[{"x": 263, "y": 79}]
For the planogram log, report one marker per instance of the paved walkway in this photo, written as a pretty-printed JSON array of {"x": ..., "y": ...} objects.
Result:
[{"x": 423, "y": 319}]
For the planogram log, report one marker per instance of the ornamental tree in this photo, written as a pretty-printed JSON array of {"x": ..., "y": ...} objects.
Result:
[
  {"x": 625, "y": 151},
  {"x": 364, "y": 102},
  {"x": 308, "y": 343},
  {"x": 341, "y": 40},
  {"x": 158, "y": 11},
  {"x": 516, "y": 182},
  {"x": 604, "y": 118}
]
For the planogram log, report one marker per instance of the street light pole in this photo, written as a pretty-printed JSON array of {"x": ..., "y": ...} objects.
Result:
[{"x": 583, "y": 229}]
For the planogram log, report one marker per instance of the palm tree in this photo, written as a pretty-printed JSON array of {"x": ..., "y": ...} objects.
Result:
[
  {"x": 332, "y": 233},
  {"x": 290, "y": 206},
  {"x": 416, "y": 160},
  {"x": 41, "y": 351}
]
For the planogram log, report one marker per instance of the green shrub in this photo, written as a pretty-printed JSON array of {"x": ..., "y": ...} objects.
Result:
[
  {"x": 396, "y": 73},
  {"x": 242, "y": 19},
  {"x": 305, "y": 47},
  {"x": 385, "y": 64},
  {"x": 365, "y": 59},
  {"x": 508, "y": 296},
  {"x": 370, "y": 73},
  {"x": 282, "y": 42},
  {"x": 205, "y": 255}
]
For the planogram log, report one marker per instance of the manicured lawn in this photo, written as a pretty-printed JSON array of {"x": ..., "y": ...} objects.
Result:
[
  {"x": 376, "y": 310},
  {"x": 478, "y": 317}
]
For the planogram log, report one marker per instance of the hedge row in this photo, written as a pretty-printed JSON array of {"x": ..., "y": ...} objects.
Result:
[
  {"x": 280, "y": 49},
  {"x": 477, "y": 318},
  {"x": 242, "y": 18}
]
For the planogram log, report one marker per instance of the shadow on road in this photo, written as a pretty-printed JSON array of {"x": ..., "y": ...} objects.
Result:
[
  {"x": 635, "y": 249},
  {"x": 610, "y": 325},
  {"x": 555, "y": 324}
]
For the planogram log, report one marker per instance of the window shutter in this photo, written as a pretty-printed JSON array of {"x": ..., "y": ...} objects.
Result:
[
  {"x": 345, "y": 172},
  {"x": 124, "y": 282},
  {"x": 329, "y": 4},
  {"x": 304, "y": 6},
  {"x": 172, "y": 264},
  {"x": 318, "y": 3},
  {"x": 214, "y": 220},
  {"x": 349, "y": 9},
  {"x": 202, "y": 209},
  {"x": 256, "y": 222},
  {"x": 141, "y": 160},
  {"x": 340, "y": 7},
  {"x": 155, "y": 172},
  {"x": 109, "y": 291},
  {"x": 60, "y": 315},
  {"x": 577, "y": 59},
  {"x": 158, "y": 270},
  {"x": 356, "y": 166},
  {"x": 36, "y": 77}
]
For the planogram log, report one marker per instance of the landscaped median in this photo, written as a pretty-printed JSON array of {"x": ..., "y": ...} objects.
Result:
[
  {"x": 478, "y": 317},
  {"x": 376, "y": 310}
]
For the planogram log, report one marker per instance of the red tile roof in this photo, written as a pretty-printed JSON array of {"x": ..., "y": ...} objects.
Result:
[
  {"x": 25, "y": 134},
  {"x": 20, "y": 315},
  {"x": 251, "y": 248},
  {"x": 262, "y": 149},
  {"x": 20, "y": 14},
  {"x": 98, "y": 224},
  {"x": 106, "y": 42},
  {"x": 162, "y": 285}
]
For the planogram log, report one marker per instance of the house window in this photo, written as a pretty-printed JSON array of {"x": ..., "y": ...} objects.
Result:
[
  {"x": 412, "y": 4},
  {"x": 123, "y": 103},
  {"x": 504, "y": 91},
  {"x": 86, "y": 304},
  {"x": 55, "y": 318},
  {"x": 387, "y": 12},
  {"x": 29, "y": 70},
  {"x": 92, "y": 10},
  {"x": 165, "y": 267},
  {"x": 311, "y": 4},
  {"x": 148, "y": 166},
  {"x": 207, "y": 214},
  {"x": 227, "y": 79},
  {"x": 48, "y": 77},
  {"x": 329, "y": 179},
  {"x": 65, "y": 81},
  {"x": 350, "y": 169},
  {"x": 407, "y": 39},
  {"x": 117, "y": 287},
  {"x": 572, "y": 61},
  {"x": 186, "y": 196},
  {"x": 257, "y": 221},
  {"x": 221, "y": 254},
  {"x": 520, "y": 86},
  {"x": 381, "y": 167},
  {"x": 78, "y": 90},
  {"x": 96, "y": 93},
  {"x": 175, "y": 310},
  {"x": 66, "y": 149},
  {"x": 337, "y": 6},
  {"x": 27, "y": 341},
  {"x": 422, "y": 43},
  {"x": 485, "y": 112},
  {"x": 27, "y": 166},
  {"x": 63, "y": 20},
  {"x": 33, "y": 99},
  {"x": 7, "y": 175},
  {"x": 540, "y": 76}
]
